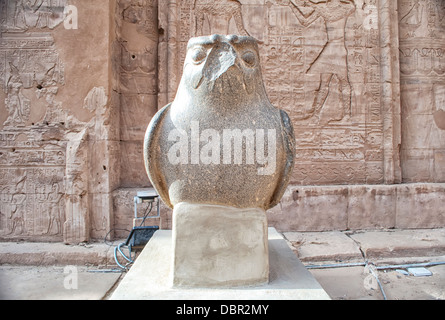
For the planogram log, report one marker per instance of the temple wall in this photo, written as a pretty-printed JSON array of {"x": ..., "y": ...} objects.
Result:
[{"x": 363, "y": 82}]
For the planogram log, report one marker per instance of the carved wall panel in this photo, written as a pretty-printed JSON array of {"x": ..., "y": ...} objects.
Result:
[
  {"x": 32, "y": 185},
  {"x": 422, "y": 74},
  {"x": 46, "y": 176},
  {"x": 322, "y": 62},
  {"x": 32, "y": 151},
  {"x": 136, "y": 58},
  {"x": 22, "y": 15}
]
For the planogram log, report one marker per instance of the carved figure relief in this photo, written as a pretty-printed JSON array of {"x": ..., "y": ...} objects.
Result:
[
  {"x": 207, "y": 11},
  {"x": 140, "y": 13},
  {"x": 17, "y": 206},
  {"x": 335, "y": 14},
  {"x": 26, "y": 14},
  {"x": 54, "y": 112},
  {"x": 29, "y": 60},
  {"x": 32, "y": 189},
  {"x": 413, "y": 19},
  {"x": 18, "y": 106},
  {"x": 55, "y": 211}
]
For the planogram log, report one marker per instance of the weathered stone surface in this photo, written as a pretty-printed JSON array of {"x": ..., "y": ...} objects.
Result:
[
  {"x": 420, "y": 206},
  {"x": 221, "y": 141},
  {"x": 324, "y": 246},
  {"x": 401, "y": 243},
  {"x": 54, "y": 114},
  {"x": 326, "y": 208},
  {"x": 311, "y": 209},
  {"x": 219, "y": 246},
  {"x": 372, "y": 207},
  {"x": 52, "y": 254}
]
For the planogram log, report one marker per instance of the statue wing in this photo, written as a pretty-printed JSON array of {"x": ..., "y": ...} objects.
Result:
[
  {"x": 152, "y": 153},
  {"x": 289, "y": 146}
]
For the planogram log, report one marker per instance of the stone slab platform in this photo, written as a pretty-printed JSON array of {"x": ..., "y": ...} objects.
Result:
[
  {"x": 51, "y": 254},
  {"x": 149, "y": 277},
  {"x": 374, "y": 245}
]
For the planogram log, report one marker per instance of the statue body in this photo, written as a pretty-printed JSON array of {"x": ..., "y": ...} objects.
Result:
[{"x": 220, "y": 150}]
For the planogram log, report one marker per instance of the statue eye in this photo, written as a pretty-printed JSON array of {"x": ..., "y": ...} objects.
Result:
[
  {"x": 198, "y": 55},
  {"x": 249, "y": 58}
]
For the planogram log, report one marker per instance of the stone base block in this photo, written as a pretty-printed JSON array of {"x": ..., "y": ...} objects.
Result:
[
  {"x": 219, "y": 246},
  {"x": 149, "y": 277}
]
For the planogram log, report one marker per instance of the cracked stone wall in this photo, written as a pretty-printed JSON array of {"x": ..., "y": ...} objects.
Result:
[{"x": 363, "y": 82}]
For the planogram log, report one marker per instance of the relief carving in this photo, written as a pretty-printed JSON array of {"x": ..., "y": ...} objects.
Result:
[
  {"x": 140, "y": 13},
  {"x": 55, "y": 212},
  {"x": 29, "y": 60},
  {"x": 26, "y": 14},
  {"x": 217, "y": 14},
  {"x": 439, "y": 105},
  {"x": 136, "y": 68},
  {"x": 413, "y": 19},
  {"x": 32, "y": 202},
  {"x": 335, "y": 14},
  {"x": 16, "y": 206},
  {"x": 17, "y": 105}
]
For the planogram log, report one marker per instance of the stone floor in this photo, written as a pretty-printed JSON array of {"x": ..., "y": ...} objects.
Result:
[{"x": 347, "y": 264}]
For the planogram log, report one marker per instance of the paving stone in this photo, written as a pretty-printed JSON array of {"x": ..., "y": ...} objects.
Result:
[{"x": 323, "y": 246}]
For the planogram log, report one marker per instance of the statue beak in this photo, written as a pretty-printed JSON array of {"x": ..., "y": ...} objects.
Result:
[{"x": 220, "y": 59}]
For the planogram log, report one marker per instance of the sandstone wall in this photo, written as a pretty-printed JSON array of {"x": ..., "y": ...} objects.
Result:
[
  {"x": 363, "y": 82},
  {"x": 57, "y": 139}
]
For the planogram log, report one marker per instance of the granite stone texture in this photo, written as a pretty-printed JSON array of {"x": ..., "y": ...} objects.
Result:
[{"x": 221, "y": 142}]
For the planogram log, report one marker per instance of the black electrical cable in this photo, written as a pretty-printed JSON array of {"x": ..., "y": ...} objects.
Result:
[{"x": 150, "y": 205}]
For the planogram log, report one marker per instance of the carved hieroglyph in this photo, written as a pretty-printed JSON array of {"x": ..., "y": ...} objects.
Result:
[{"x": 322, "y": 63}]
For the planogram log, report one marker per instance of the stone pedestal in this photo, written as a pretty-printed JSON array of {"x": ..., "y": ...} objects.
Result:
[
  {"x": 219, "y": 246},
  {"x": 150, "y": 277}
]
